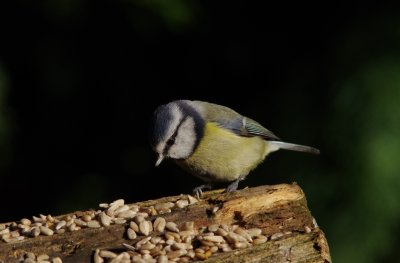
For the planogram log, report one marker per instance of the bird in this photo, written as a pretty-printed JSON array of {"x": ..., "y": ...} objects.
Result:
[{"x": 212, "y": 142}]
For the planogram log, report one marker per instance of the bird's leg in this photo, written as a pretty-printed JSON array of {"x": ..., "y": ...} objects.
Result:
[
  {"x": 234, "y": 185},
  {"x": 198, "y": 191}
]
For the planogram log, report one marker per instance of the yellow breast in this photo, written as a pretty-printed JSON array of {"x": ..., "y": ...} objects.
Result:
[{"x": 224, "y": 156}]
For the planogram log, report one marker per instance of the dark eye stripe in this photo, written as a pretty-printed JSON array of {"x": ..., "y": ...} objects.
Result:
[{"x": 171, "y": 140}]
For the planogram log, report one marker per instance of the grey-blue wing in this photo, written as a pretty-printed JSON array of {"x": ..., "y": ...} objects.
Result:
[
  {"x": 247, "y": 127},
  {"x": 231, "y": 120}
]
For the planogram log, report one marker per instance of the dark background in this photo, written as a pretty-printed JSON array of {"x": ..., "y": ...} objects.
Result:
[{"x": 79, "y": 81}]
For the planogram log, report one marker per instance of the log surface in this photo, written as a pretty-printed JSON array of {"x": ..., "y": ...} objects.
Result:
[{"x": 280, "y": 211}]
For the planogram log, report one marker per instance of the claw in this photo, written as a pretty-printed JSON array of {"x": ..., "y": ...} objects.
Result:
[
  {"x": 234, "y": 185},
  {"x": 198, "y": 191}
]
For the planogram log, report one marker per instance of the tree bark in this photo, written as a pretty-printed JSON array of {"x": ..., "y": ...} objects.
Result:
[{"x": 280, "y": 211}]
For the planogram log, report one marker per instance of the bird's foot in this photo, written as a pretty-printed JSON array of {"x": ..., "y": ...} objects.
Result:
[
  {"x": 234, "y": 185},
  {"x": 198, "y": 191}
]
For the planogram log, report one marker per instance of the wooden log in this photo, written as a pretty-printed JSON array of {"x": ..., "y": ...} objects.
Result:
[{"x": 280, "y": 211}]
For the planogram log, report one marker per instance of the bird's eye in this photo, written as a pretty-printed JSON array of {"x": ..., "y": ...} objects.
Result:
[{"x": 171, "y": 141}]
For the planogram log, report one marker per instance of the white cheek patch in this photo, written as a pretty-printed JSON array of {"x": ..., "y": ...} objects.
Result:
[
  {"x": 184, "y": 140},
  {"x": 176, "y": 113}
]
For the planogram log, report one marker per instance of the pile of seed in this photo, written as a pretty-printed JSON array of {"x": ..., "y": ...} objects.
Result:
[
  {"x": 116, "y": 212},
  {"x": 154, "y": 239},
  {"x": 171, "y": 244},
  {"x": 43, "y": 258}
]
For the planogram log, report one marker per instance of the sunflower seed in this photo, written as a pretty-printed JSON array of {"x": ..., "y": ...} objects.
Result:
[
  {"x": 215, "y": 239},
  {"x": 159, "y": 224},
  {"x": 192, "y": 200},
  {"x": 162, "y": 259},
  {"x": 35, "y": 231},
  {"x": 93, "y": 224},
  {"x": 80, "y": 222},
  {"x": 42, "y": 257},
  {"x": 254, "y": 232},
  {"x": 144, "y": 227},
  {"x": 126, "y": 214},
  {"x": 5, "y": 231},
  {"x": 46, "y": 231},
  {"x": 87, "y": 218},
  {"x": 176, "y": 253},
  {"x": 107, "y": 254},
  {"x": 122, "y": 208},
  {"x": 97, "y": 258},
  {"x": 244, "y": 234},
  {"x": 182, "y": 203},
  {"x": 119, "y": 221},
  {"x": 134, "y": 226},
  {"x": 259, "y": 240},
  {"x": 131, "y": 234},
  {"x": 26, "y": 221},
  {"x": 30, "y": 255},
  {"x": 172, "y": 227},
  {"x": 104, "y": 219},
  {"x": 56, "y": 260},
  {"x": 60, "y": 224},
  {"x": 213, "y": 228}
]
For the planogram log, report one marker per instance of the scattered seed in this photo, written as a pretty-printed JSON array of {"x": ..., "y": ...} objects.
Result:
[
  {"x": 119, "y": 221},
  {"x": 60, "y": 231},
  {"x": 172, "y": 227},
  {"x": 46, "y": 231},
  {"x": 103, "y": 205},
  {"x": 176, "y": 253},
  {"x": 93, "y": 224},
  {"x": 144, "y": 227},
  {"x": 107, "y": 254},
  {"x": 138, "y": 219},
  {"x": 119, "y": 202},
  {"x": 26, "y": 221},
  {"x": 181, "y": 203},
  {"x": 159, "y": 224},
  {"x": 254, "y": 232},
  {"x": 162, "y": 259},
  {"x": 60, "y": 224},
  {"x": 259, "y": 240},
  {"x": 30, "y": 255},
  {"x": 163, "y": 206},
  {"x": 72, "y": 227},
  {"x": 87, "y": 218},
  {"x": 5, "y": 231},
  {"x": 215, "y": 239},
  {"x": 121, "y": 209},
  {"x": 134, "y": 226},
  {"x": 192, "y": 200},
  {"x": 37, "y": 219},
  {"x": 35, "y": 231},
  {"x": 244, "y": 234},
  {"x": 97, "y": 258},
  {"x": 126, "y": 214},
  {"x": 56, "y": 260},
  {"x": 277, "y": 235},
  {"x": 213, "y": 228},
  {"x": 131, "y": 234},
  {"x": 104, "y": 219},
  {"x": 80, "y": 222},
  {"x": 129, "y": 247},
  {"x": 42, "y": 257}
]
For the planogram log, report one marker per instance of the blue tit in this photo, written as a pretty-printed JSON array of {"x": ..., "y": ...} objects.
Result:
[{"x": 213, "y": 142}]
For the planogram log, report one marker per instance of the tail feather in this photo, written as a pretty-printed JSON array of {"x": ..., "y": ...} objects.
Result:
[{"x": 294, "y": 147}]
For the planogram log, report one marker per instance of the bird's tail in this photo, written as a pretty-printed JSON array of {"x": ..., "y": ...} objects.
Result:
[{"x": 294, "y": 147}]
